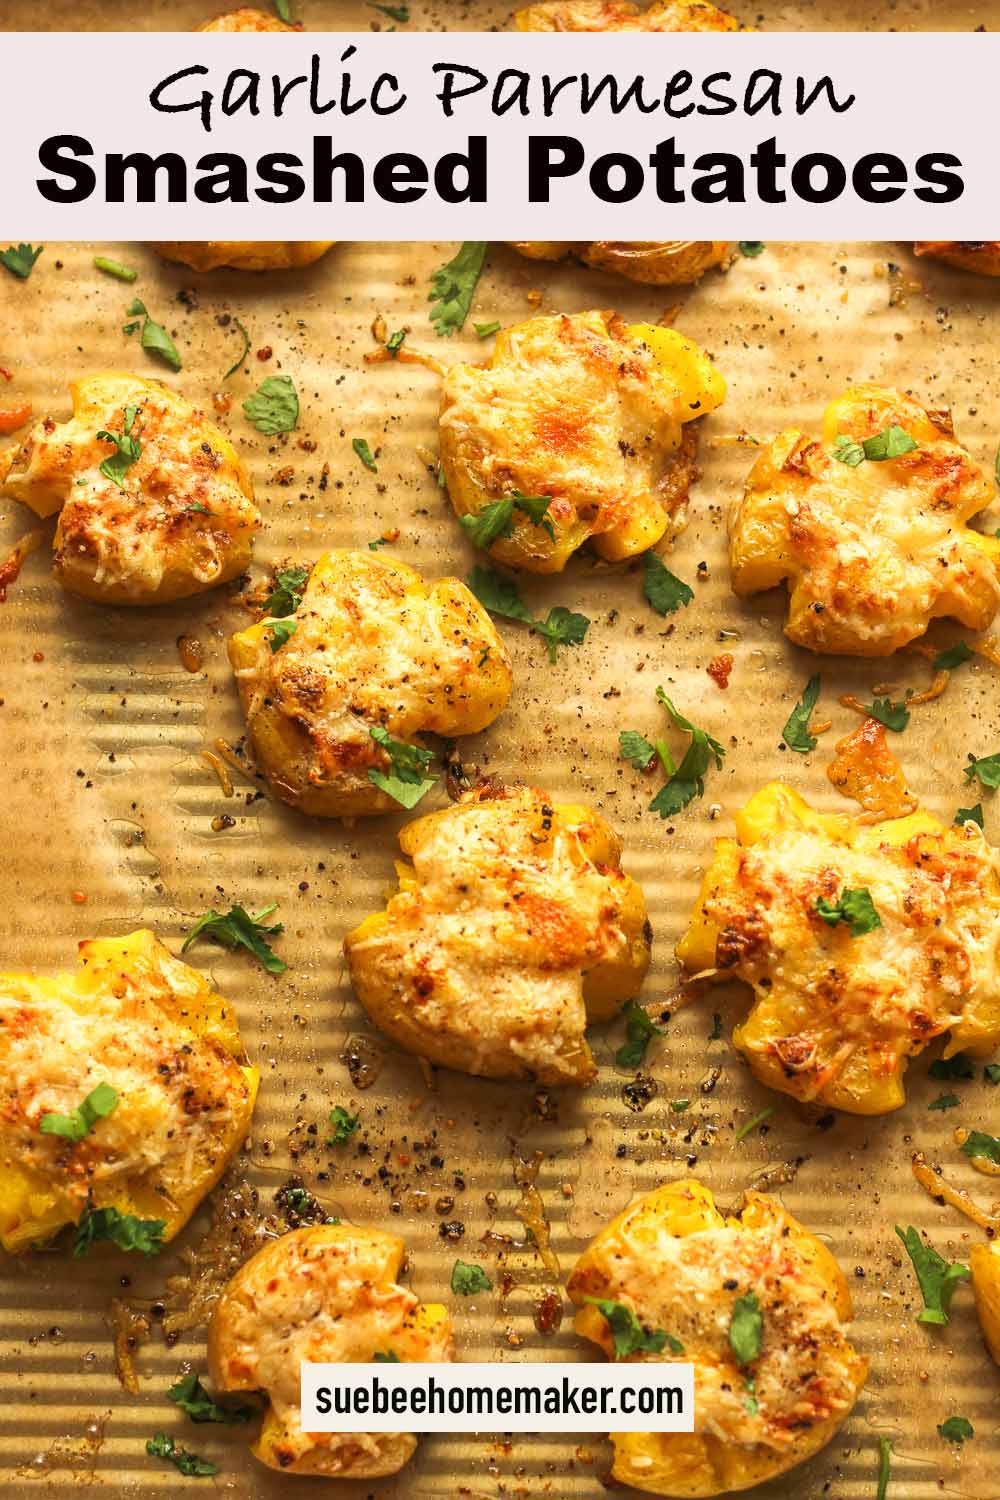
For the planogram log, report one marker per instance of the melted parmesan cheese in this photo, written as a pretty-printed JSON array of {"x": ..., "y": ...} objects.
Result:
[
  {"x": 622, "y": 15},
  {"x": 478, "y": 963},
  {"x": 875, "y": 551}
]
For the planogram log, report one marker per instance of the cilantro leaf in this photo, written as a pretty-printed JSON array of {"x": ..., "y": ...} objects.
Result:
[
  {"x": 243, "y": 352},
  {"x": 406, "y": 781},
  {"x": 635, "y": 748},
  {"x": 952, "y": 656},
  {"x": 453, "y": 286},
  {"x": 894, "y": 716},
  {"x": 663, "y": 589},
  {"x": 123, "y": 1230},
  {"x": 796, "y": 733},
  {"x": 274, "y": 406},
  {"x": 639, "y": 1032},
  {"x": 687, "y": 781},
  {"x": 496, "y": 519},
  {"x": 628, "y": 1333},
  {"x": 884, "y": 1462},
  {"x": 959, "y": 1066},
  {"x": 986, "y": 770},
  {"x": 970, "y": 815},
  {"x": 154, "y": 337},
  {"x": 99, "y": 1103},
  {"x": 195, "y": 1402},
  {"x": 20, "y": 259},
  {"x": 361, "y": 448},
  {"x": 848, "y": 452},
  {"x": 395, "y": 342},
  {"x": 344, "y": 1125},
  {"x": 286, "y": 596},
  {"x": 937, "y": 1277},
  {"x": 500, "y": 596},
  {"x": 281, "y": 632},
  {"x": 978, "y": 1143},
  {"x": 944, "y": 1101},
  {"x": 751, "y": 248},
  {"x": 189, "y": 1464},
  {"x": 746, "y": 1328},
  {"x": 854, "y": 907},
  {"x": 483, "y": 330},
  {"x": 114, "y": 268},
  {"x": 956, "y": 1429},
  {"x": 891, "y": 442},
  {"x": 127, "y": 449},
  {"x": 467, "y": 1279},
  {"x": 237, "y": 929}
]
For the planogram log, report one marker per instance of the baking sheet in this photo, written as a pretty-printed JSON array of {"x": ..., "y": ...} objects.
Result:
[
  {"x": 488, "y": 15},
  {"x": 107, "y": 795}
]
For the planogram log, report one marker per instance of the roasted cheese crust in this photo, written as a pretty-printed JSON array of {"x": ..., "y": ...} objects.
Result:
[
  {"x": 245, "y": 19},
  {"x": 322, "y": 1294},
  {"x": 680, "y": 1266},
  {"x": 513, "y": 926},
  {"x": 622, "y": 15},
  {"x": 836, "y": 1016},
  {"x": 969, "y": 255},
  {"x": 589, "y": 411},
  {"x": 183, "y": 518},
  {"x": 872, "y": 553},
  {"x": 136, "y": 1018},
  {"x": 654, "y": 262},
  {"x": 984, "y": 1263},
  {"x": 374, "y": 645},
  {"x": 244, "y": 255}
]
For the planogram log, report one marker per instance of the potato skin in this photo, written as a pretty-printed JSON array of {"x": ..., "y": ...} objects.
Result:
[
  {"x": 185, "y": 519},
  {"x": 244, "y": 255},
  {"x": 587, "y": 410},
  {"x": 325, "y": 1294},
  {"x": 622, "y": 15},
  {"x": 837, "y": 1016},
  {"x": 805, "y": 517},
  {"x": 513, "y": 926},
  {"x": 246, "y": 19},
  {"x": 145, "y": 1022},
  {"x": 984, "y": 1263},
  {"x": 652, "y": 262},
  {"x": 982, "y": 256},
  {"x": 375, "y": 645},
  {"x": 800, "y": 1287}
]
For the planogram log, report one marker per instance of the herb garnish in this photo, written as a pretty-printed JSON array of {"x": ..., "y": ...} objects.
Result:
[
  {"x": 746, "y": 1328},
  {"x": 853, "y": 907},
  {"x": 361, "y": 448},
  {"x": 496, "y": 519},
  {"x": 189, "y": 1464},
  {"x": 628, "y": 1333},
  {"x": 952, "y": 656},
  {"x": 154, "y": 337},
  {"x": 663, "y": 589},
  {"x": 195, "y": 1402},
  {"x": 20, "y": 259},
  {"x": 467, "y": 1279},
  {"x": 243, "y": 352},
  {"x": 237, "y": 929},
  {"x": 406, "y": 780},
  {"x": 274, "y": 406},
  {"x": 344, "y": 1125},
  {"x": 114, "y": 268},
  {"x": 639, "y": 1032},
  {"x": 561, "y": 626},
  {"x": 894, "y": 716},
  {"x": 978, "y": 1143},
  {"x": 286, "y": 596},
  {"x": 986, "y": 770},
  {"x": 124, "y": 1230},
  {"x": 686, "y": 781},
  {"x": 99, "y": 1103},
  {"x": 453, "y": 286},
  {"x": 956, "y": 1429},
  {"x": 127, "y": 449},
  {"x": 938, "y": 1278},
  {"x": 796, "y": 733}
]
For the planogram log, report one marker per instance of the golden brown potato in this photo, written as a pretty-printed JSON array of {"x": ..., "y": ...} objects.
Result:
[
  {"x": 622, "y": 15},
  {"x": 836, "y": 1015},
  {"x": 373, "y": 647},
  {"x": 513, "y": 927},
  {"x": 246, "y": 19},
  {"x": 679, "y": 1268},
  {"x": 141, "y": 1021},
  {"x": 984, "y": 1263},
  {"x": 654, "y": 262},
  {"x": 179, "y": 518},
  {"x": 587, "y": 411},
  {"x": 327, "y": 1294},
  {"x": 873, "y": 549},
  {"x": 969, "y": 255},
  {"x": 243, "y": 255}
]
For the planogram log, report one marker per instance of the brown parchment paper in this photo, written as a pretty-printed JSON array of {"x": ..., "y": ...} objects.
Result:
[{"x": 106, "y": 795}]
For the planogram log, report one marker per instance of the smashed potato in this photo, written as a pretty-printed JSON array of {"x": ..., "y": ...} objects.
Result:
[
  {"x": 137, "y": 1019},
  {"x": 326, "y": 1294},
  {"x": 373, "y": 646},
  {"x": 680, "y": 1267},
  {"x": 984, "y": 1263},
  {"x": 514, "y": 925},
  {"x": 842, "y": 1000},
  {"x": 589, "y": 412},
  {"x": 622, "y": 15},
  {"x": 244, "y": 255},
  {"x": 246, "y": 19},
  {"x": 873, "y": 548},
  {"x": 154, "y": 503},
  {"x": 654, "y": 262},
  {"x": 969, "y": 255}
]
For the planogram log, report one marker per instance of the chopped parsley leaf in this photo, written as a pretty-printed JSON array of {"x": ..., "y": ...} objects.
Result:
[
  {"x": 281, "y": 632},
  {"x": 189, "y": 1464},
  {"x": 952, "y": 656},
  {"x": 944, "y": 1101},
  {"x": 687, "y": 781},
  {"x": 453, "y": 286},
  {"x": 986, "y": 1147},
  {"x": 663, "y": 589},
  {"x": 123, "y": 1230},
  {"x": 406, "y": 781},
  {"x": 628, "y": 1333},
  {"x": 286, "y": 596},
  {"x": 238, "y": 929},
  {"x": 796, "y": 733},
  {"x": 746, "y": 1329},
  {"x": 195, "y": 1402},
  {"x": 467, "y": 1279},
  {"x": 937, "y": 1277},
  {"x": 361, "y": 448},
  {"x": 127, "y": 449},
  {"x": 154, "y": 337},
  {"x": 344, "y": 1125},
  {"x": 243, "y": 352},
  {"x": 970, "y": 815},
  {"x": 894, "y": 716},
  {"x": 956, "y": 1429},
  {"x": 561, "y": 626},
  {"x": 636, "y": 749},
  {"x": 484, "y": 330},
  {"x": 891, "y": 442},
  {"x": 959, "y": 1066},
  {"x": 399, "y": 13},
  {"x": 496, "y": 519},
  {"x": 19, "y": 260},
  {"x": 274, "y": 406},
  {"x": 114, "y": 268},
  {"x": 853, "y": 907},
  {"x": 99, "y": 1103},
  {"x": 639, "y": 1032},
  {"x": 751, "y": 248},
  {"x": 986, "y": 770},
  {"x": 395, "y": 341}
]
